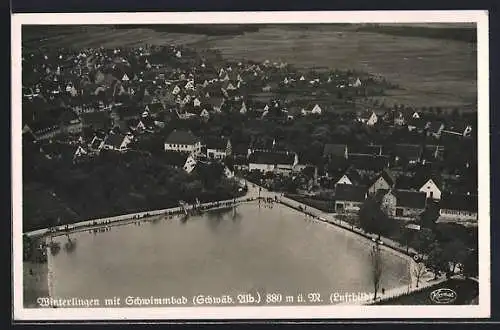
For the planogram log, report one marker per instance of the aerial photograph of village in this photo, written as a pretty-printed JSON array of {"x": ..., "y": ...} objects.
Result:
[{"x": 260, "y": 164}]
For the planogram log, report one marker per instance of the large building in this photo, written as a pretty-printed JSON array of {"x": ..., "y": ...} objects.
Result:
[
  {"x": 460, "y": 209},
  {"x": 267, "y": 161},
  {"x": 183, "y": 141}
]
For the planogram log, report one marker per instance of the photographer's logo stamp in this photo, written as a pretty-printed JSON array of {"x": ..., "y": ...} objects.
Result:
[{"x": 443, "y": 296}]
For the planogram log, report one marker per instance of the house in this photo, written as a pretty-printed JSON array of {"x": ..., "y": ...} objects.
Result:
[
  {"x": 368, "y": 118},
  {"x": 44, "y": 130},
  {"x": 96, "y": 144},
  {"x": 316, "y": 110},
  {"x": 269, "y": 161},
  {"x": 218, "y": 149},
  {"x": 70, "y": 122},
  {"x": 190, "y": 164},
  {"x": 403, "y": 117},
  {"x": 460, "y": 129},
  {"x": 240, "y": 163},
  {"x": 368, "y": 164},
  {"x": 433, "y": 153},
  {"x": 461, "y": 209},
  {"x": 96, "y": 120},
  {"x": 175, "y": 159},
  {"x": 384, "y": 181},
  {"x": 349, "y": 198},
  {"x": 335, "y": 150},
  {"x": 215, "y": 103},
  {"x": 117, "y": 142},
  {"x": 204, "y": 115},
  {"x": 349, "y": 176},
  {"x": 431, "y": 189},
  {"x": 404, "y": 204},
  {"x": 183, "y": 141},
  {"x": 80, "y": 153},
  {"x": 367, "y": 150},
  {"x": 407, "y": 153},
  {"x": 416, "y": 124},
  {"x": 434, "y": 128}
]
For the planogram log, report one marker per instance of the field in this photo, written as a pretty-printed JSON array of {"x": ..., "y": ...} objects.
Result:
[{"x": 430, "y": 71}]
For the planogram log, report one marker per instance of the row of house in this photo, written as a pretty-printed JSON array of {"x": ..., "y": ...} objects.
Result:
[
  {"x": 415, "y": 122},
  {"x": 408, "y": 204}
]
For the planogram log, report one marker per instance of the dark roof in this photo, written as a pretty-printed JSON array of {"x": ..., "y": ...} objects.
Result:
[
  {"x": 434, "y": 126},
  {"x": 68, "y": 116},
  {"x": 347, "y": 192},
  {"x": 406, "y": 182},
  {"x": 96, "y": 142},
  {"x": 263, "y": 157},
  {"x": 417, "y": 122},
  {"x": 410, "y": 199},
  {"x": 240, "y": 149},
  {"x": 173, "y": 158},
  {"x": 368, "y": 163},
  {"x": 155, "y": 107},
  {"x": 114, "y": 140},
  {"x": 407, "y": 151},
  {"x": 182, "y": 137},
  {"x": 240, "y": 160},
  {"x": 127, "y": 112},
  {"x": 334, "y": 150},
  {"x": 459, "y": 202},
  {"x": 352, "y": 174},
  {"x": 98, "y": 119},
  {"x": 374, "y": 150},
  {"x": 56, "y": 150},
  {"x": 366, "y": 114},
  {"x": 386, "y": 176},
  {"x": 219, "y": 144}
]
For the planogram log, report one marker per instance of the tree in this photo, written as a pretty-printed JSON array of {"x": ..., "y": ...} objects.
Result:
[
  {"x": 471, "y": 264},
  {"x": 435, "y": 260},
  {"x": 418, "y": 271},
  {"x": 454, "y": 253},
  {"x": 376, "y": 271},
  {"x": 373, "y": 220},
  {"x": 423, "y": 240}
]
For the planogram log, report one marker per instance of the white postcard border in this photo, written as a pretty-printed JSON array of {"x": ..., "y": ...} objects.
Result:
[{"x": 264, "y": 312}]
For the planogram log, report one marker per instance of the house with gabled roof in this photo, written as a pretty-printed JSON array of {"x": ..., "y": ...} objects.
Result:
[
  {"x": 407, "y": 153},
  {"x": 183, "y": 141},
  {"x": 349, "y": 198},
  {"x": 349, "y": 176},
  {"x": 96, "y": 144},
  {"x": 431, "y": 187},
  {"x": 404, "y": 204},
  {"x": 460, "y": 209},
  {"x": 269, "y": 161},
  {"x": 117, "y": 142},
  {"x": 218, "y": 148},
  {"x": 80, "y": 153},
  {"x": 434, "y": 128},
  {"x": 368, "y": 117},
  {"x": 368, "y": 164},
  {"x": 383, "y": 181}
]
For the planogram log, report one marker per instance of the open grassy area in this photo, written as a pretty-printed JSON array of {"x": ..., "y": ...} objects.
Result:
[{"x": 431, "y": 71}]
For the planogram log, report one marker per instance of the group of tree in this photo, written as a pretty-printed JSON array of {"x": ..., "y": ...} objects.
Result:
[{"x": 445, "y": 248}]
